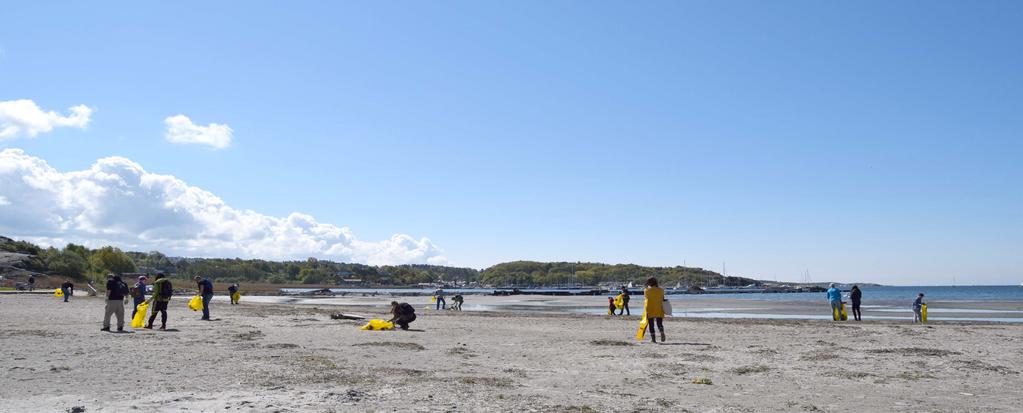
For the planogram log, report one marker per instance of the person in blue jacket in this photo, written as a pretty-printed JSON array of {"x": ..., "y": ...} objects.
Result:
[
  {"x": 138, "y": 293},
  {"x": 835, "y": 298}
]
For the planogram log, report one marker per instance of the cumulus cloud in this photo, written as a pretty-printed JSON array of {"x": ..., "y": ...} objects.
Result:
[
  {"x": 23, "y": 117},
  {"x": 181, "y": 129},
  {"x": 117, "y": 202}
]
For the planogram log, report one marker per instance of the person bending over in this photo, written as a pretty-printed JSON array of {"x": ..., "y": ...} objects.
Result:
[{"x": 402, "y": 314}]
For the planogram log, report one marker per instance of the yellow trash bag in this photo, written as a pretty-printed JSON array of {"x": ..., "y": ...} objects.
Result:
[
  {"x": 195, "y": 303},
  {"x": 377, "y": 324},
  {"x": 58, "y": 293},
  {"x": 642, "y": 327},
  {"x": 844, "y": 316},
  {"x": 923, "y": 313},
  {"x": 433, "y": 299},
  {"x": 620, "y": 301},
  {"x": 237, "y": 296},
  {"x": 140, "y": 315}
]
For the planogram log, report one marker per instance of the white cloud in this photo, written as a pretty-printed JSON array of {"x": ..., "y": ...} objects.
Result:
[
  {"x": 180, "y": 129},
  {"x": 23, "y": 117},
  {"x": 117, "y": 202}
]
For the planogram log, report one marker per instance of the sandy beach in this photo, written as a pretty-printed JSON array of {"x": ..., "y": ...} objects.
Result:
[{"x": 292, "y": 357}]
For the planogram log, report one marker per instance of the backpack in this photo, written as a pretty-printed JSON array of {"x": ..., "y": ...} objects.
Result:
[
  {"x": 124, "y": 288},
  {"x": 166, "y": 291},
  {"x": 408, "y": 311}
]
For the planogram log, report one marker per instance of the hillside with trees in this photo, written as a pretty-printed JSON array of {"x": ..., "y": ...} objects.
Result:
[
  {"x": 541, "y": 274},
  {"x": 82, "y": 263}
]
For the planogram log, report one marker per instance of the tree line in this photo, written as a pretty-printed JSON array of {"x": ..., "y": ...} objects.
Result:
[{"x": 83, "y": 263}]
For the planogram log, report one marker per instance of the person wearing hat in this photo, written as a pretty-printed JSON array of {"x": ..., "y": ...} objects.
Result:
[
  {"x": 138, "y": 293},
  {"x": 206, "y": 291},
  {"x": 835, "y": 298}
]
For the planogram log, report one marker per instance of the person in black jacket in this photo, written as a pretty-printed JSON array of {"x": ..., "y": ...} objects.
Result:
[
  {"x": 68, "y": 289},
  {"x": 855, "y": 295},
  {"x": 116, "y": 290},
  {"x": 402, "y": 314}
]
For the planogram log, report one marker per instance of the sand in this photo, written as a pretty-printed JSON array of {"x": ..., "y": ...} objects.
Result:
[{"x": 276, "y": 357}]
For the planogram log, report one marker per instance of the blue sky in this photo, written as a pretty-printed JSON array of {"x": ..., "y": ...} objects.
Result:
[{"x": 869, "y": 141}]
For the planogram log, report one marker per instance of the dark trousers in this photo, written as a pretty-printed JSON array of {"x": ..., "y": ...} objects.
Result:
[
  {"x": 625, "y": 308},
  {"x": 206, "y": 305},
  {"x": 67, "y": 293},
  {"x": 856, "y": 311},
  {"x": 159, "y": 307},
  {"x": 658, "y": 321},
  {"x": 441, "y": 303}
]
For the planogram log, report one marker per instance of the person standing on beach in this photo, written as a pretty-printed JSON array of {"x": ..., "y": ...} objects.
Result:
[
  {"x": 206, "y": 291},
  {"x": 68, "y": 289},
  {"x": 441, "y": 304},
  {"x": 835, "y": 298},
  {"x": 116, "y": 290},
  {"x": 402, "y": 314},
  {"x": 625, "y": 302},
  {"x": 855, "y": 295},
  {"x": 162, "y": 292},
  {"x": 653, "y": 307},
  {"x": 31, "y": 283},
  {"x": 231, "y": 292},
  {"x": 917, "y": 306},
  {"x": 138, "y": 293}
]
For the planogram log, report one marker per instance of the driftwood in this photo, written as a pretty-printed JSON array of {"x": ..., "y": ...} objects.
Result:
[{"x": 340, "y": 316}]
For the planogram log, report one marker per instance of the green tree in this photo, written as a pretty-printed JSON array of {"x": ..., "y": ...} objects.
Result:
[
  {"x": 67, "y": 263},
  {"x": 110, "y": 259}
]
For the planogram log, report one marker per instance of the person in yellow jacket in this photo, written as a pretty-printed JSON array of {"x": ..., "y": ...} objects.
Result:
[{"x": 654, "y": 307}]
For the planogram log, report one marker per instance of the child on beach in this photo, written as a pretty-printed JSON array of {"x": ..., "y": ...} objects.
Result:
[
  {"x": 138, "y": 293},
  {"x": 654, "y": 308},
  {"x": 917, "y": 306},
  {"x": 856, "y": 295},
  {"x": 610, "y": 306}
]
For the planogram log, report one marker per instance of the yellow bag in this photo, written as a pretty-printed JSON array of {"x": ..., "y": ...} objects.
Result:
[
  {"x": 845, "y": 315},
  {"x": 237, "y": 296},
  {"x": 377, "y": 324},
  {"x": 923, "y": 313},
  {"x": 642, "y": 327},
  {"x": 140, "y": 315},
  {"x": 58, "y": 293},
  {"x": 195, "y": 303},
  {"x": 433, "y": 299},
  {"x": 620, "y": 301}
]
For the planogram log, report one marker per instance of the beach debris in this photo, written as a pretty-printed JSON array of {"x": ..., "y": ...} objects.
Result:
[
  {"x": 759, "y": 368},
  {"x": 915, "y": 351},
  {"x": 398, "y": 344},
  {"x": 605, "y": 342},
  {"x": 340, "y": 316},
  {"x": 702, "y": 380},
  {"x": 76, "y": 409}
]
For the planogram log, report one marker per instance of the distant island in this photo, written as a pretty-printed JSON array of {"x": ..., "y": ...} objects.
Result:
[{"x": 18, "y": 259}]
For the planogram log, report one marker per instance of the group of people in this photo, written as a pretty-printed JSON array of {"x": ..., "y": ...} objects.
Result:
[
  {"x": 162, "y": 291},
  {"x": 834, "y": 295},
  {"x": 457, "y": 300},
  {"x": 623, "y": 298}
]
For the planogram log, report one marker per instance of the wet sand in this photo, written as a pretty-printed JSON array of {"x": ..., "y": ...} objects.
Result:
[{"x": 280, "y": 357}]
